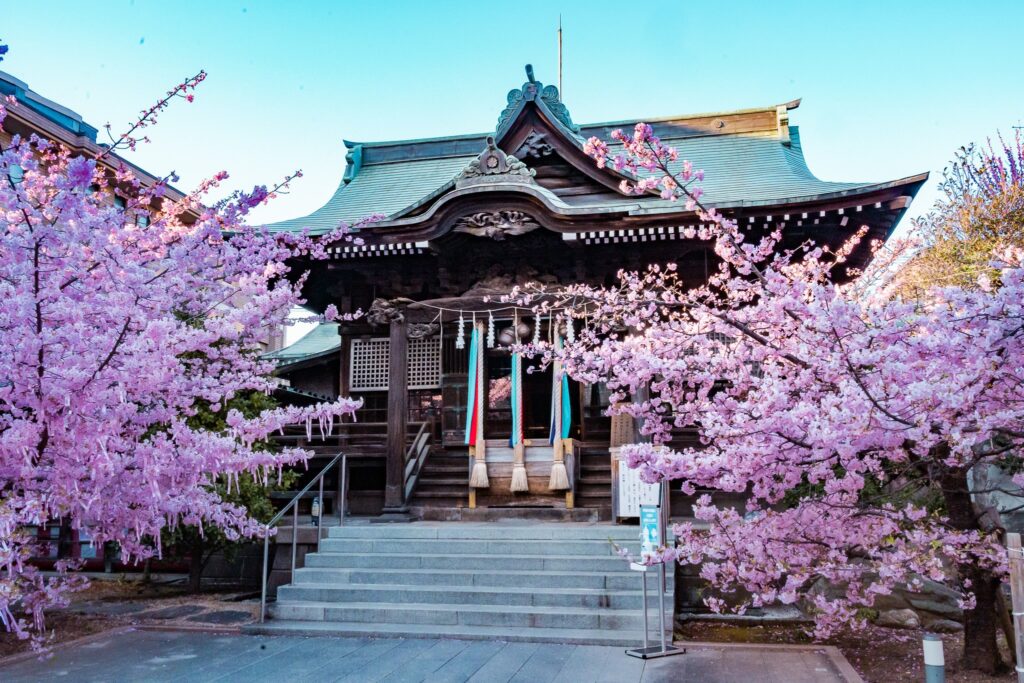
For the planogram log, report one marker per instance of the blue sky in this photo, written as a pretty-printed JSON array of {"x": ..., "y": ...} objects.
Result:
[{"x": 889, "y": 88}]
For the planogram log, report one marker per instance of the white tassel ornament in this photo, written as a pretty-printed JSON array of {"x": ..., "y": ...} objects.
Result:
[{"x": 460, "y": 333}]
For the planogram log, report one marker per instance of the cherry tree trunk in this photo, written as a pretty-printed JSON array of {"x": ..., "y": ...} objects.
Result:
[
  {"x": 981, "y": 651},
  {"x": 195, "y": 567}
]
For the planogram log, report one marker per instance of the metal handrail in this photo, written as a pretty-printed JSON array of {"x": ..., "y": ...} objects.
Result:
[{"x": 293, "y": 505}]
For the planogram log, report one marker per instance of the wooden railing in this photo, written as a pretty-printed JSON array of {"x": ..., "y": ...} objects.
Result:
[
  {"x": 574, "y": 456},
  {"x": 415, "y": 456}
]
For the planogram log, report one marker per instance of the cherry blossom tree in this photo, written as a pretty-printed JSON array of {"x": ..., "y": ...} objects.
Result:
[
  {"x": 850, "y": 418},
  {"x": 118, "y": 321}
]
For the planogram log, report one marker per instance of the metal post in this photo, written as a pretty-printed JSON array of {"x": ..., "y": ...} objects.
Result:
[
  {"x": 666, "y": 517},
  {"x": 295, "y": 535},
  {"x": 344, "y": 489},
  {"x": 263, "y": 589},
  {"x": 661, "y": 606},
  {"x": 934, "y": 660},
  {"x": 646, "y": 638},
  {"x": 320, "y": 514}
]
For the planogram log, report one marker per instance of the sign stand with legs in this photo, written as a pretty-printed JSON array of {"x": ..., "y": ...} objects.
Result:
[{"x": 652, "y": 535}]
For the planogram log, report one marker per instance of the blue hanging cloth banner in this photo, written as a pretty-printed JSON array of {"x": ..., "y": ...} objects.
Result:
[{"x": 561, "y": 406}]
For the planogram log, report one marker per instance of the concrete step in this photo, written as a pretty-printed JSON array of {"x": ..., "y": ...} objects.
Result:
[
  {"x": 491, "y": 531},
  {"x": 501, "y": 633},
  {"x": 464, "y": 615},
  {"x": 492, "y": 515},
  {"x": 501, "y": 579},
  {"x": 471, "y": 595},
  {"x": 470, "y": 546},
  {"x": 603, "y": 563},
  {"x": 453, "y": 577}
]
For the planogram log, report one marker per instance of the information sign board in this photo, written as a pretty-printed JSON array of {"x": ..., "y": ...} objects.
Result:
[
  {"x": 632, "y": 491},
  {"x": 650, "y": 529}
]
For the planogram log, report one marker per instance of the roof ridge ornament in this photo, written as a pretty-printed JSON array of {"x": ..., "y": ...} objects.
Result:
[
  {"x": 494, "y": 166},
  {"x": 535, "y": 91}
]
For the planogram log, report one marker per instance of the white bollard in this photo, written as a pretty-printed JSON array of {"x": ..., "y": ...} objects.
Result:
[{"x": 934, "y": 659}]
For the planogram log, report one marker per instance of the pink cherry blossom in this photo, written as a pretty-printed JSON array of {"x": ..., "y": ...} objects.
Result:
[
  {"x": 113, "y": 333},
  {"x": 838, "y": 409}
]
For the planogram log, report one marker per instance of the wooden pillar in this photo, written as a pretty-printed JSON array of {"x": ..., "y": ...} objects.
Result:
[
  {"x": 398, "y": 409},
  {"x": 344, "y": 361},
  {"x": 344, "y": 382}
]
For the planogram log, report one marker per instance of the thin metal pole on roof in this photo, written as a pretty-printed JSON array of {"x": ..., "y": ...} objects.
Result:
[{"x": 560, "y": 94}]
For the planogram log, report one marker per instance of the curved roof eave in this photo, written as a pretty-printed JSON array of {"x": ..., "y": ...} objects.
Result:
[
  {"x": 867, "y": 189},
  {"x": 550, "y": 201}
]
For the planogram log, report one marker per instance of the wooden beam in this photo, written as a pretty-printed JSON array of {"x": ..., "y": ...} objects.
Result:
[
  {"x": 398, "y": 409},
  {"x": 900, "y": 202}
]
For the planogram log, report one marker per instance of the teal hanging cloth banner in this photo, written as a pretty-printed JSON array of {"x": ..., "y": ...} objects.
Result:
[
  {"x": 566, "y": 408},
  {"x": 515, "y": 403},
  {"x": 520, "y": 483},
  {"x": 561, "y": 422}
]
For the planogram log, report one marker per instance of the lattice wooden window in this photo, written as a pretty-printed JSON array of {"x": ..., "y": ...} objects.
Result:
[
  {"x": 369, "y": 366},
  {"x": 424, "y": 363}
]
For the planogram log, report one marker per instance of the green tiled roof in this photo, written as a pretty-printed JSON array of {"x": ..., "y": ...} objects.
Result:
[
  {"x": 383, "y": 188},
  {"x": 321, "y": 340},
  {"x": 740, "y": 168},
  {"x": 753, "y": 167}
]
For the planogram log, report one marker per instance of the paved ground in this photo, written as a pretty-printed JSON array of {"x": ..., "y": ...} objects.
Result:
[{"x": 147, "y": 655}]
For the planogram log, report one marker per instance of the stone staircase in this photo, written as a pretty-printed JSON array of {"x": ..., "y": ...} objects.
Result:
[{"x": 533, "y": 581}]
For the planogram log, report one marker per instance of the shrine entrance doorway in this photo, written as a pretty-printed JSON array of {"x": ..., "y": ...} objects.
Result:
[{"x": 536, "y": 387}]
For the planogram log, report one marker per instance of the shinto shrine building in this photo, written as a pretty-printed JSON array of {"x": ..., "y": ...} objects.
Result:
[{"x": 467, "y": 217}]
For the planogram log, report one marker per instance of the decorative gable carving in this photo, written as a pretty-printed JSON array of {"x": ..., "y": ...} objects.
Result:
[
  {"x": 534, "y": 146},
  {"x": 494, "y": 166},
  {"x": 496, "y": 224}
]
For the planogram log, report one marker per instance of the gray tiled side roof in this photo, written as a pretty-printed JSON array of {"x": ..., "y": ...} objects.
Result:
[
  {"x": 58, "y": 113},
  {"x": 321, "y": 339}
]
